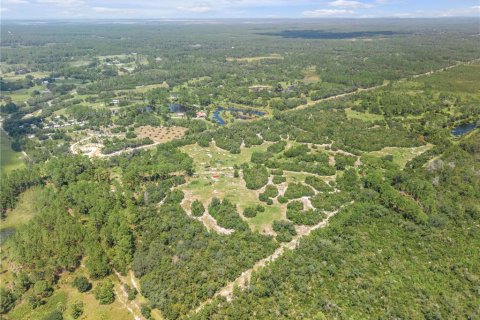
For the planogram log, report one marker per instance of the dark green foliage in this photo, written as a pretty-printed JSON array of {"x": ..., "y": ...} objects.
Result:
[
  {"x": 255, "y": 177},
  {"x": 7, "y": 300},
  {"x": 226, "y": 214},
  {"x": 318, "y": 184},
  {"x": 104, "y": 293},
  {"x": 146, "y": 311},
  {"x": 77, "y": 310},
  {"x": 298, "y": 215},
  {"x": 349, "y": 181},
  {"x": 285, "y": 230},
  {"x": 330, "y": 201},
  {"x": 14, "y": 183},
  {"x": 296, "y": 151},
  {"x": 82, "y": 284},
  {"x": 282, "y": 199},
  {"x": 54, "y": 315},
  {"x": 177, "y": 255},
  {"x": 197, "y": 208},
  {"x": 298, "y": 190},
  {"x": 342, "y": 161},
  {"x": 278, "y": 179},
  {"x": 271, "y": 191},
  {"x": 277, "y": 147},
  {"x": 131, "y": 292},
  {"x": 251, "y": 212},
  {"x": 114, "y": 145},
  {"x": 53, "y": 238}
]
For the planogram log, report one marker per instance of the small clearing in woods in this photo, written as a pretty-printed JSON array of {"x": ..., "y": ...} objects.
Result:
[{"x": 273, "y": 56}]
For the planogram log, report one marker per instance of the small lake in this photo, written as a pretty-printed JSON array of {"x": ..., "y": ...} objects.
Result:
[
  {"x": 220, "y": 121},
  {"x": 464, "y": 128}
]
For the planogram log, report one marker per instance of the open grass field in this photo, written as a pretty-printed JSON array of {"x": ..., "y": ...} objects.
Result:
[
  {"x": 364, "y": 116},
  {"x": 273, "y": 56},
  {"x": 9, "y": 159},
  {"x": 65, "y": 296},
  {"x": 24, "y": 211},
  {"x": 311, "y": 75},
  {"x": 402, "y": 155},
  {"x": 213, "y": 156}
]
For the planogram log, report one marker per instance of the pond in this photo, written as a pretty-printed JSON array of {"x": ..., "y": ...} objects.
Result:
[
  {"x": 220, "y": 121},
  {"x": 5, "y": 234},
  {"x": 464, "y": 128}
]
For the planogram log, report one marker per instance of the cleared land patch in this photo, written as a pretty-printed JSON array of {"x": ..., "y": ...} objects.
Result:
[
  {"x": 401, "y": 155},
  {"x": 9, "y": 159},
  {"x": 160, "y": 134},
  {"x": 273, "y": 56}
]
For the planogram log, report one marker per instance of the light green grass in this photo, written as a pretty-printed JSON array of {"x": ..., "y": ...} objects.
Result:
[
  {"x": 273, "y": 56},
  {"x": 263, "y": 220},
  {"x": 66, "y": 295},
  {"x": 401, "y": 155},
  {"x": 364, "y": 116},
  {"x": 25, "y": 210},
  {"x": 9, "y": 159}
]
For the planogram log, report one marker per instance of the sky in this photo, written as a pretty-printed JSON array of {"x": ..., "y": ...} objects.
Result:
[{"x": 209, "y": 9}]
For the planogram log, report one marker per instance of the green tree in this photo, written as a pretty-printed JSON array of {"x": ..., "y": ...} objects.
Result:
[{"x": 104, "y": 293}]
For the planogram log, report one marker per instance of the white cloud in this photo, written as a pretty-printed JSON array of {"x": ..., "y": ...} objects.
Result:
[
  {"x": 327, "y": 12},
  {"x": 114, "y": 10},
  {"x": 3, "y": 9},
  {"x": 14, "y": 1},
  {"x": 63, "y": 3},
  {"x": 350, "y": 4},
  {"x": 195, "y": 8}
]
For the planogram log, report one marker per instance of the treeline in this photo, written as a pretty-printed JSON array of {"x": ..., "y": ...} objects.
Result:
[{"x": 14, "y": 183}]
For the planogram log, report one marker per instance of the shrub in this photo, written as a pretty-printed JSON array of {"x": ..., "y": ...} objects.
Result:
[
  {"x": 298, "y": 190},
  {"x": 250, "y": 212},
  {"x": 131, "y": 292},
  {"x": 279, "y": 179},
  {"x": 54, "y": 315},
  {"x": 77, "y": 310},
  {"x": 318, "y": 184},
  {"x": 82, "y": 284},
  {"x": 146, "y": 311},
  {"x": 255, "y": 177},
  {"x": 104, "y": 293},
  {"x": 271, "y": 191},
  {"x": 7, "y": 300},
  {"x": 197, "y": 208},
  {"x": 285, "y": 230}
]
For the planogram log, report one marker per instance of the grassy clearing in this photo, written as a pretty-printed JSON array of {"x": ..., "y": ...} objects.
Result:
[
  {"x": 364, "y": 116},
  {"x": 65, "y": 295},
  {"x": 263, "y": 221},
  {"x": 273, "y": 56},
  {"x": 401, "y": 155},
  {"x": 9, "y": 159},
  {"x": 213, "y": 157},
  {"x": 215, "y": 179},
  {"x": 25, "y": 210},
  {"x": 311, "y": 75}
]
